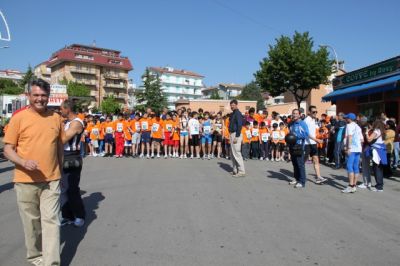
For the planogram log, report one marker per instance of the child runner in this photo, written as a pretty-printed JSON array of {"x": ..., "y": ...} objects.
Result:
[
  {"x": 175, "y": 136},
  {"x": 194, "y": 135},
  {"x": 282, "y": 142},
  {"x": 217, "y": 136},
  {"x": 119, "y": 136},
  {"x": 157, "y": 135},
  {"x": 184, "y": 134},
  {"x": 145, "y": 125},
  {"x": 255, "y": 141},
  {"x": 94, "y": 138},
  {"x": 109, "y": 136},
  {"x": 168, "y": 127},
  {"x": 246, "y": 133},
  {"x": 264, "y": 139},
  {"x": 275, "y": 137},
  {"x": 207, "y": 136},
  {"x": 135, "y": 127},
  {"x": 226, "y": 138},
  {"x": 128, "y": 137}
]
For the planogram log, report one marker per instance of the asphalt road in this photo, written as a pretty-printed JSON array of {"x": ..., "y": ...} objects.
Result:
[{"x": 191, "y": 212}]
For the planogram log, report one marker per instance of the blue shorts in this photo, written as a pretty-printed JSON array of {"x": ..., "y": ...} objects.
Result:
[
  {"x": 109, "y": 138},
  {"x": 128, "y": 143},
  {"x": 88, "y": 140},
  {"x": 353, "y": 163},
  {"x": 146, "y": 137},
  {"x": 184, "y": 134},
  {"x": 206, "y": 139}
]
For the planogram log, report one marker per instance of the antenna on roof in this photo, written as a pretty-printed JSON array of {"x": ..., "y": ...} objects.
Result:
[{"x": 94, "y": 43}]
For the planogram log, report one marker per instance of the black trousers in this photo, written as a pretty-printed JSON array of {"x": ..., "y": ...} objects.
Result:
[
  {"x": 73, "y": 208},
  {"x": 255, "y": 149}
]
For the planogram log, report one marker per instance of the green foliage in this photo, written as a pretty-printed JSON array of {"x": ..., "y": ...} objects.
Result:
[
  {"x": 252, "y": 92},
  {"x": 215, "y": 95},
  {"x": 293, "y": 66},
  {"x": 110, "y": 106},
  {"x": 152, "y": 96},
  {"x": 27, "y": 77},
  {"x": 77, "y": 89},
  {"x": 10, "y": 87}
]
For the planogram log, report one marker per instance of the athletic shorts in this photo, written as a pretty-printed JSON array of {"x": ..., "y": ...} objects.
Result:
[
  {"x": 145, "y": 137},
  {"x": 206, "y": 139},
  {"x": 195, "y": 140},
  {"x": 157, "y": 140},
  {"x": 217, "y": 138},
  {"x": 310, "y": 150},
  {"x": 88, "y": 140},
  {"x": 353, "y": 162},
  {"x": 184, "y": 133},
  {"x": 168, "y": 141},
  {"x": 128, "y": 143},
  {"x": 109, "y": 139},
  {"x": 275, "y": 146},
  {"x": 281, "y": 147},
  {"x": 136, "y": 138}
]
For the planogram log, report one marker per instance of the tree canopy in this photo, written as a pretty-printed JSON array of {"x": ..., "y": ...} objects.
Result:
[
  {"x": 10, "y": 87},
  {"x": 293, "y": 66},
  {"x": 152, "y": 96},
  {"x": 27, "y": 77},
  {"x": 252, "y": 92},
  {"x": 110, "y": 106},
  {"x": 77, "y": 89},
  {"x": 215, "y": 95}
]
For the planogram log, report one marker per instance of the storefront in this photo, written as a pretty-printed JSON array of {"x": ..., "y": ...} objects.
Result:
[{"x": 369, "y": 91}]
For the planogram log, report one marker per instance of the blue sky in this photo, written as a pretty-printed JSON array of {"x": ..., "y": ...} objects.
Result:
[{"x": 222, "y": 40}]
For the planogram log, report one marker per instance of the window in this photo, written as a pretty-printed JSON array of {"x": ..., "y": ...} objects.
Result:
[
  {"x": 115, "y": 62},
  {"x": 9, "y": 108},
  {"x": 81, "y": 56}
]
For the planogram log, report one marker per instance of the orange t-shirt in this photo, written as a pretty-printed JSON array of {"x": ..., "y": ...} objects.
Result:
[
  {"x": 135, "y": 125},
  {"x": 227, "y": 135},
  {"x": 145, "y": 124},
  {"x": 108, "y": 127},
  {"x": 255, "y": 134},
  {"x": 127, "y": 132},
  {"x": 275, "y": 135},
  {"x": 168, "y": 125},
  {"x": 81, "y": 116},
  {"x": 101, "y": 135},
  {"x": 157, "y": 129},
  {"x": 282, "y": 136},
  {"x": 264, "y": 134},
  {"x": 119, "y": 126},
  {"x": 176, "y": 134},
  {"x": 246, "y": 133},
  {"x": 36, "y": 137}
]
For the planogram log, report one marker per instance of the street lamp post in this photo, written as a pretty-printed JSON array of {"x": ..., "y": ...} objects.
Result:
[{"x": 334, "y": 52}]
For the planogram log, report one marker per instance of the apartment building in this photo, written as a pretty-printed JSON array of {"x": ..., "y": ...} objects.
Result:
[
  {"x": 43, "y": 71},
  {"x": 179, "y": 84},
  {"x": 225, "y": 91},
  {"x": 103, "y": 70}
]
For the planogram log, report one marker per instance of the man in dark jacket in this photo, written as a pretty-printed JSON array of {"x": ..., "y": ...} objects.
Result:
[{"x": 235, "y": 130}]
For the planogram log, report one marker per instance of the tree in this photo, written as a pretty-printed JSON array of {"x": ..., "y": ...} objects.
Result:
[
  {"x": 252, "y": 92},
  {"x": 77, "y": 89},
  {"x": 10, "y": 87},
  {"x": 152, "y": 96},
  {"x": 110, "y": 106},
  {"x": 215, "y": 95},
  {"x": 293, "y": 66},
  {"x": 27, "y": 77}
]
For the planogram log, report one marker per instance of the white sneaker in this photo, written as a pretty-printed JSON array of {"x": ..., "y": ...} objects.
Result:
[
  {"x": 158, "y": 156},
  {"x": 261, "y": 158},
  {"x": 79, "y": 222},
  {"x": 267, "y": 159},
  {"x": 293, "y": 182},
  {"x": 363, "y": 186},
  {"x": 181, "y": 156},
  {"x": 95, "y": 155},
  {"x": 141, "y": 155},
  {"x": 320, "y": 180},
  {"x": 191, "y": 156},
  {"x": 148, "y": 156},
  {"x": 209, "y": 157},
  {"x": 369, "y": 185},
  {"x": 204, "y": 157},
  {"x": 36, "y": 261},
  {"x": 198, "y": 157},
  {"x": 374, "y": 189},
  {"x": 185, "y": 156},
  {"x": 298, "y": 185},
  {"x": 347, "y": 190},
  {"x": 166, "y": 156}
]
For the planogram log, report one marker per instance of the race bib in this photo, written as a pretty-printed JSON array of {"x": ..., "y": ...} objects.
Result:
[
  {"x": 120, "y": 127},
  {"x": 155, "y": 127},
  {"x": 264, "y": 137},
  {"x": 255, "y": 132},
  {"x": 194, "y": 130},
  {"x": 109, "y": 130},
  {"x": 251, "y": 123},
  {"x": 145, "y": 125},
  {"x": 169, "y": 127},
  {"x": 137, "y": 126},
  {"x": 248, "y": 134},
  {"x": 282, "y": 136},
  {"x": 95, "y": 131},
  {"x": 275, "y": 135},
  {"x": 207, "y": 129}
]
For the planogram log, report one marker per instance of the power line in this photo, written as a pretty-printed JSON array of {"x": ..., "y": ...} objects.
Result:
[{"x": 249, "y": 18}]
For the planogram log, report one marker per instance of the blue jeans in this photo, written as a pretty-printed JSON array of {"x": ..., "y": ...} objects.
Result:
[
  {"x": 337, "y": 152},
  {"x": 299, "y": 169},
  {"x": 396, "y": 152},
  {"x": 82, "y": 149},
  {"x": 101, "y": 146}
]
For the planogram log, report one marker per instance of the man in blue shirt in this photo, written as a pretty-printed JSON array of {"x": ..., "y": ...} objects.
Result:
[{"x": 299, "y": 128}]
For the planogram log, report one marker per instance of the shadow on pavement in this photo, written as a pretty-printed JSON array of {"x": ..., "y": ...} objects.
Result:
[
  {"x": 6, "y": 187},
  {"x": 225, "y": 166},
  {"x": 72, "y": 236},
  {"x": 333, "y": 183},
  {"x": 280, "y": 175},
  {"x": 6, "y": 169}
]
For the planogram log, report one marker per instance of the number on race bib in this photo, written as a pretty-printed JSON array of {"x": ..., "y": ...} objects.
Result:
[
  {"x": 145, "y": 125},
  {"x": 95, "y": 131},
  {"x": 120, "y": 127},
  {"x": 137, "y": 126},
  {"x": 155, "y": 127},
  {"x": 169, "y": 127},
  {"x": 207, "y": 130},
  {"x": 282, "y": 136},
  {"x": 248, "y": 134},
  {"x": 255, "y": 132},
  {"x": 109, "y": 130},
  {"x": 264, "y": 137},
  {"x": 275, "y": 135}
]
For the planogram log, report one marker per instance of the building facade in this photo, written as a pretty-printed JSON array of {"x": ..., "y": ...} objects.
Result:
[
  {"x": 214, "y": 106},
  {"x": 178, "y": 84},
  {"x": 225, "y": 91},
  {"x": 104, "y": 71},
  {"x": 13, "y": 75},
  {"x": 43, "y": 71},
  {"x": 369, "y": 91}
]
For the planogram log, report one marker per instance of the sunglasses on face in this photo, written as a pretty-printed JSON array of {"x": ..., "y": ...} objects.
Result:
[{"x": 315, "y": 112}]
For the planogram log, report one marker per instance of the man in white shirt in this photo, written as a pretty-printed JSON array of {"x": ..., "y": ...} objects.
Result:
[
  {"x": 353, "y": 150},
  {"x": 311, "y": 148}
]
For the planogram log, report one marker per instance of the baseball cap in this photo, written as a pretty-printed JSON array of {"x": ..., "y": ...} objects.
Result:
[{"x": 350, "y": 116}]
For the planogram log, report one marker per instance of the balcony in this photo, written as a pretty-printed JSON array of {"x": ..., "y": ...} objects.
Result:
[
  {"x": 91, "y": 82},
  {"x": 110, "y": 75},
  {"x": 120, "y": 96},
  {"x": 115, "y": 85},
  {"x": 82, "y": 70}
]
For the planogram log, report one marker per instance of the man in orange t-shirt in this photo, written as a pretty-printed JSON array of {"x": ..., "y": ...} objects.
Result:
[{"x": 33, "y": 142}]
